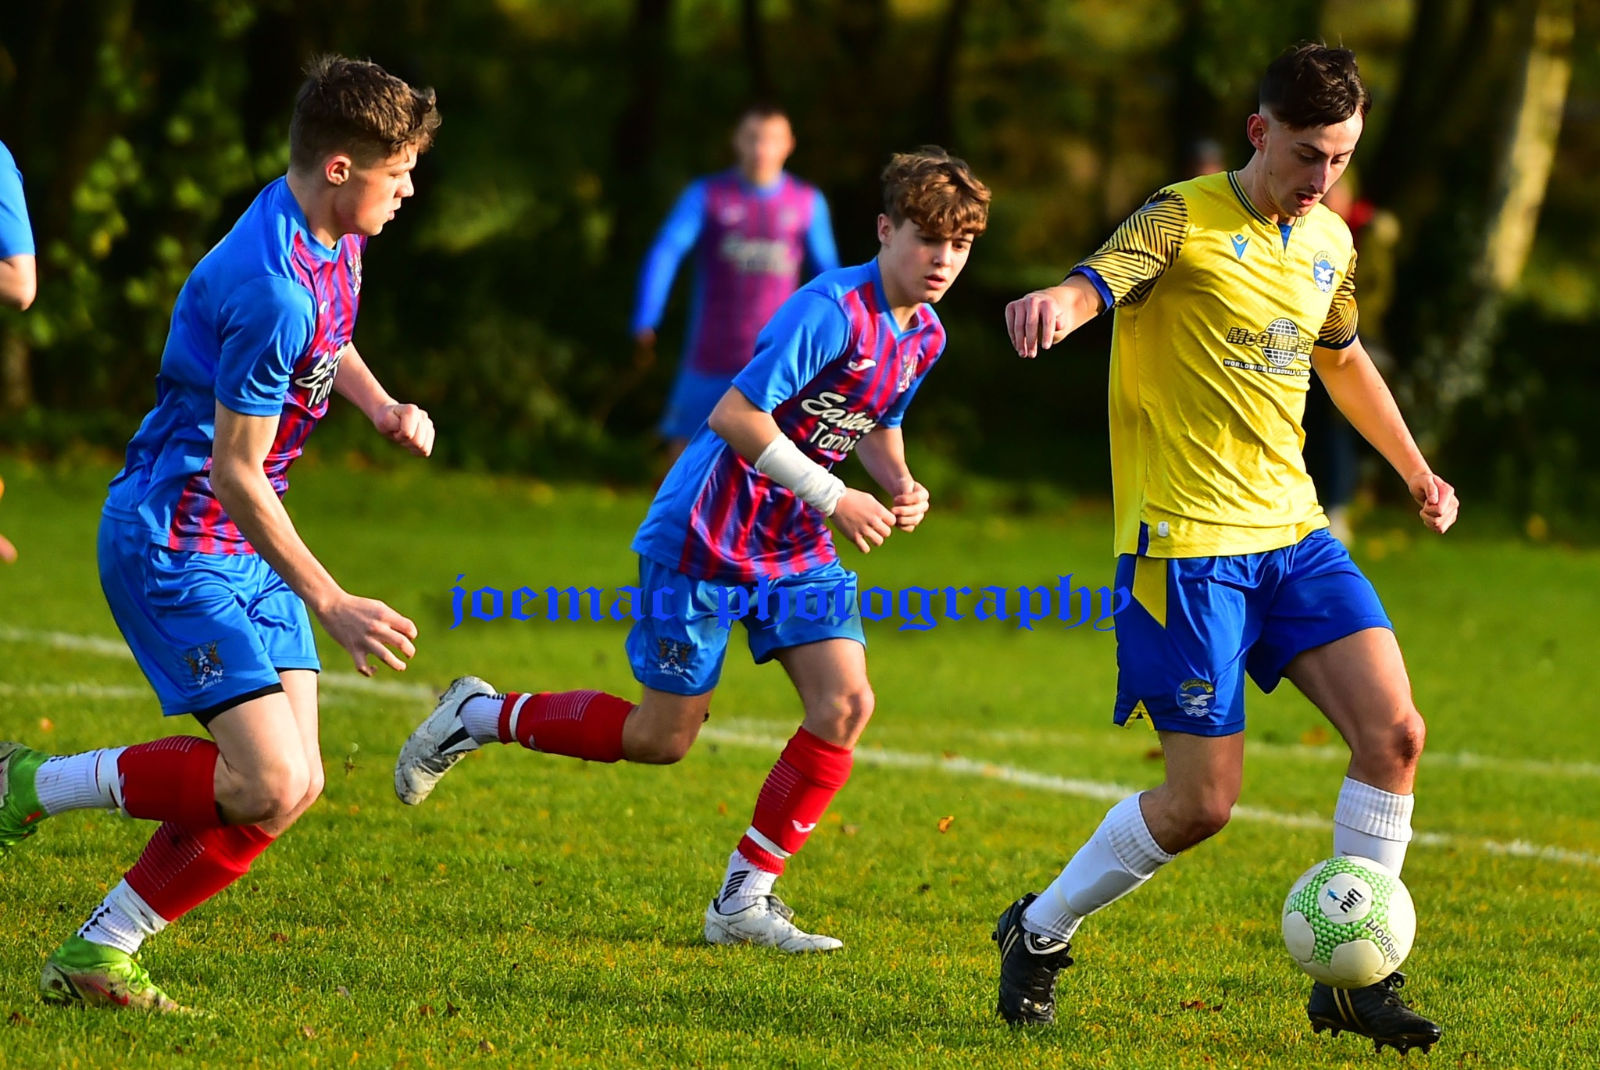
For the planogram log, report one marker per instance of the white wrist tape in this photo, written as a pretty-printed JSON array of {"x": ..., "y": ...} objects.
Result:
[{"x": 811, "y": 483}]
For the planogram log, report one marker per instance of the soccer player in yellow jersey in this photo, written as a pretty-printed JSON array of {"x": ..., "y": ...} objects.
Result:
[{"x": 1230, "y": 290}]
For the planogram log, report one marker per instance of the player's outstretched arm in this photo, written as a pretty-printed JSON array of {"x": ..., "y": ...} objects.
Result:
[
  {"x": 409, "y": 425},
  {"x": 754, "y": 435},
  {"x": 1041, "y": 319},
  {"x": 18, "y": 281},
  {"x": 363, "y": 626},
  {"x": 1359, "y": 391},
  {"x": 882, "y": 452}
]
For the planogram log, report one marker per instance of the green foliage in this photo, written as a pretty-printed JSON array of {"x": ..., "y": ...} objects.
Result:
[{"x": 499, "y": 298}]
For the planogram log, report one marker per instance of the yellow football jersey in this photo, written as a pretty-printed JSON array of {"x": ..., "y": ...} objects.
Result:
[{"x": 1217, "y": 311}]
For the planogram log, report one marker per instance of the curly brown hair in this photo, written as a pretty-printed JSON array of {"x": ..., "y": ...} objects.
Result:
[
  {"x": 357, "y": 107},
  {"x": 1312, "y": 85},
  {"x": 936, "y": 191}
]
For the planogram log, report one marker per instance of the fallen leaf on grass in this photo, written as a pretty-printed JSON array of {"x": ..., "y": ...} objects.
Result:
[
  {"x": 849, "y": 830},
  {"x": 426, "y": 1010},
  {"x": 486, "y": 1047},
  {"x": 307, "y": 1032},
  {"x": 1154, "y": 754},
  {"x": 946, "y": 822},
  {"x": 278, "y": 938},
  {"x": 342, "y": 991},
  {"x": 450, "y": 1009},
  {"x": 17, "y": 1018},
  {"x": 1315, "y": 736}
]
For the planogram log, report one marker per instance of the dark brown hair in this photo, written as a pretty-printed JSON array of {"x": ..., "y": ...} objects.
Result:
[
  {"x": 1314, "y": 85},
  {"x": 357, "y": 107},
  {"x": 936, "y": 191}
]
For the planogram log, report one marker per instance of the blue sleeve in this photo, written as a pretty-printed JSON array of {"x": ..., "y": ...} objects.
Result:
[
  {"x": 821, "y": 253},
  {"x": 897, "y": 411},
  {"x": 676, "y": 237},
  {"x": 265, "y": 325},
  {"x": 16, "y": 235},
  {"x": 806, "y": 332}
]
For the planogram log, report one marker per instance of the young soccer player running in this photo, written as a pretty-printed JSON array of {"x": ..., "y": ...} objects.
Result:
[
  {"x": 750, "y": 228},
  {"x": 204, "y": 572},
  {"x": 747, "y": 505},
  {"x": 1230, "y": 290}
]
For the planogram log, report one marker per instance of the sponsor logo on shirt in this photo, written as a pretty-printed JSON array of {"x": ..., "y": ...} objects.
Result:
[
  {"x": 838, "y": 428},
  {"x": 1281, "y": 343},
  {"x": 757, "y": 255},
  {"x": 318, "y": 382}
]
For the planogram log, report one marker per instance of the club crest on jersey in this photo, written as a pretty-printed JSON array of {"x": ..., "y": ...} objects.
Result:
[
  {"x": 355, "y": 269},
  {"x": 1239, "y": 244},
  {"x": 908, "y": 371},
  {"x": 730, "y": 215},
  {"x": 205, "y": 664},
  {"x": 1195, "y": 697},
  {"x": 673, "y": 657},
  {"x": 1322, "y": 271},
  {"x": 319, "y": 380}
]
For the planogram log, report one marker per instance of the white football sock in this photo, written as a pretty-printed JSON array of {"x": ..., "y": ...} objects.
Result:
[
  {"x": 481, "y": 716},
  {"x": 1372, "y": 823},
  {"x": 87, "y": 781},
  {"x": 122, "y": 921},
  {"x": 743, "y": 885},
  {"x": 1120, "y": 856}
]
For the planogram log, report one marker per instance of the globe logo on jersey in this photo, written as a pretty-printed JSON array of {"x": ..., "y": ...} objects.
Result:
[
  {"x": 1322, "y": 271},
  {"x": 1280, "y": 343}
]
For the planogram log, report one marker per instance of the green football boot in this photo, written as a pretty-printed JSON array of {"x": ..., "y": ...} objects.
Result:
[
  {"x": 20, "y": 812},
  {"x": 82, "y": 974}
]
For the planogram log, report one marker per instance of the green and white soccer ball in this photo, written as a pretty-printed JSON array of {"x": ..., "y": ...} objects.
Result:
[{"x": 1349, "y": 922}]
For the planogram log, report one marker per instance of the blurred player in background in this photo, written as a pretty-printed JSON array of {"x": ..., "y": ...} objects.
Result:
[
  {"x": 18, "y": 281},
  {"x": 746, "y": 508},
  {"x": 205, "y": 574},
  {"x": 1230, "y": 290},
  {"x": 750, "y": 228}
]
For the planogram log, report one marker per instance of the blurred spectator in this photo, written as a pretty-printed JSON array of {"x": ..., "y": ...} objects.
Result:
[{"x": 750, "y": 229}]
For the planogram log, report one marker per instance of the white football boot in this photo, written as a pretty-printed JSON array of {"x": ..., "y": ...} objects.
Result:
[
  {"x": 767, "y": 922},
  {"x": 438, "y": 743}
]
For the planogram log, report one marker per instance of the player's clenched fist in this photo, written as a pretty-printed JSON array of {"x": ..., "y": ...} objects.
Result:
[
  {"x": 1037, "y": 321},
  {"x": 909, "y": 507},
  {"x": 862, "y": 519},
  {"x": 408, "y": 425},
  {"x": 1438, "y": 501}
]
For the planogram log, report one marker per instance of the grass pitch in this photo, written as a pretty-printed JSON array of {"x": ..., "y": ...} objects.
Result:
[{"x": 540, "y": 911}]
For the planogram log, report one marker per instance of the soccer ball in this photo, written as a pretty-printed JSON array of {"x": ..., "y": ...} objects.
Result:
[{"x": 1349, "y": 922}]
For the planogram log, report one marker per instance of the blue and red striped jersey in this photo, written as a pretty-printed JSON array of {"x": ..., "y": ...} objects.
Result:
[
  {"x": 259, "y": 326},
  {"x": 831, "y": 366}
]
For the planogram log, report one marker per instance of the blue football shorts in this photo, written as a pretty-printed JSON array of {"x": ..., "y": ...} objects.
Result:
[
  {"x": 1196, "y": 625},
  {"x": 682, "y": 653},
  {"x": 209, "y": 631}
]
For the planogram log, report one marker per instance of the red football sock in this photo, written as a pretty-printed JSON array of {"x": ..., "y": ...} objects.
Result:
[
  {"x": 582, "y": 724},
  {"x": 172, "y": 779},
  {"x": 797, "y": 792},
  {"x": 182, "y": 868}
]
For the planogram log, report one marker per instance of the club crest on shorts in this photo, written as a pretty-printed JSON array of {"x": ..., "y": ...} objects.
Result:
[
  {"x": 673, "y": 657},
  {"x": 1195, "y": 697},
  {"x": 205, "y": 664}
]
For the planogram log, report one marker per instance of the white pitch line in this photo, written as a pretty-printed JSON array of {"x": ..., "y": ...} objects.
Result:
[
  {"x": 116, "y": 648},
  {"x": 1109, "y": 792}
]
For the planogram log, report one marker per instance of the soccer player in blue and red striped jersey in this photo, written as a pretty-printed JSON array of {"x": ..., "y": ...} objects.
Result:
[
  {"x": 18, "y": 282},
  {"x": 751, "y": 229},
  {"x": 205, "y": 574},
  {"x": 745, "y": 512}
]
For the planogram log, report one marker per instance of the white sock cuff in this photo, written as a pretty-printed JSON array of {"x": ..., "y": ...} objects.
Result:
[
  {"x": 1374, "y": 811},
  {"x": 1131, "y": 840},
  {"x": 136, "y": 908}
]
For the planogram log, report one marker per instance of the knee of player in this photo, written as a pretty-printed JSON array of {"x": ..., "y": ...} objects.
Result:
[
  {"x": 846, "y": 713},
  {"x": 316, "y": 780},
  {"x": 1406, "y": 738},
  {"x": 662, "y": 748},
  {"x": 276, "y": 791},
  {"x": 1209, "y": 817}
]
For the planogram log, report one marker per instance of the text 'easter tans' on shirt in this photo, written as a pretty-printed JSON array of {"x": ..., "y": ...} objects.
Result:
[
  {"x": 260, "y": 326},
  {"x": 831, "y": 367}
]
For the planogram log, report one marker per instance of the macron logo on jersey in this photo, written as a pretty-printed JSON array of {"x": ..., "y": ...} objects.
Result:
[{"x": 1239, "y": 243}]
